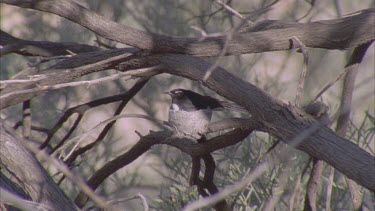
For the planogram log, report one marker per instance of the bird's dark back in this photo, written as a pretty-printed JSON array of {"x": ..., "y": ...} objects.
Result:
[{"x": 202, "y": 102}]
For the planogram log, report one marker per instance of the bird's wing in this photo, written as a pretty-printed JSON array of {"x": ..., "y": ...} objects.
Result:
[
  {"x": 233, "y": 107},
  {"x": 203, "y": 102}
]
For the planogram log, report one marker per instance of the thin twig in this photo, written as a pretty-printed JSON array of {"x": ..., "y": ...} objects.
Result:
[
  {"x": 78, "y": 139},
  {"x": 137, "y": 196},
  {"x": 16, "y": 201},
  {"x": 221, "y": 55},
  {"x": 259, "y": 170},
  {"x": 228, "y": 38},
  {"x": 301, "y": 82},
  {"x": 82, "y": 108},
  {"x": 339, "y": 77},
  {"x": 125, "y": 98},
  {"x": 144, "y": 201},
  {"x": 47, "y": 59},
  {"x": 75, "y": 178},
  {"x": 329, "y": 189},
  {"x": 296, "y": 190},
  {"x": 356, "y": 192},
  {"x": 137, "y": 72},
  {"x": 33, "y": 78},
  {"x": 234, "y": 12},
  {"x": 26, "y": 119}
]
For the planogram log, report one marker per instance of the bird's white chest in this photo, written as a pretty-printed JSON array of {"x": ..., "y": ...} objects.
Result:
[
  {"x": 193, "y": 123},
  {"x": 175, "y": 107}
]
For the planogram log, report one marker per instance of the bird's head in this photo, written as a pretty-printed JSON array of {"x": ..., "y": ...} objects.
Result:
[{"x": 177, "y": 94}]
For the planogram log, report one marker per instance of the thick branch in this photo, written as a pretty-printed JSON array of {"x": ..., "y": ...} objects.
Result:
[
  {"x": 163, "y": 137},
  {"x": 281, "y": 120},
  {"x": 144, "y": 144},
  {"x": 11, "y": 44},
  {"x": 30, "y": 174},
  {"x": 64, "y": 72},
  {"x": 219, "y": 142},
  {"x": 320, "y": 112},
  {"x": 352, "y": 69},
  {"x": 330, "y": 34}
]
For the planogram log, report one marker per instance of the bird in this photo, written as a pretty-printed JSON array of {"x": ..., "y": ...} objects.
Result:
[{"x": 190, "y": 112}]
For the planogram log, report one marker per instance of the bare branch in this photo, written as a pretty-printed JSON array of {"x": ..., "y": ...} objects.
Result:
[
  {"x": 137, "y": 196},
  {"x": 306, "y": 130},
  {"x": 26, "y": 119},
  {"x": 78, "y": 139},
  {"x": 125, "y": 99},
  {"x": 331, "y": 34},
  {"x": 356, "y": 192},
  {"x": 233, "y": 12},
  {"x": 283, "y": 121},
  {"x": 138, "y": 72},
  {"x": 17, "y": 160},
  {"x": 11, "y": 44},
  {"x": 267, "y": 162},
  {"x": 301, "y": 82},
  {"x": 254, "y": 174},
  {"x": 144, "y": 144},
  {"x": 82, "y": 108},
  {"x": 18, "y": 202},
  {"x": 329, "y": 85},
  {"x": 164, "y": 137},
  {"x": 66, "y": 71}
]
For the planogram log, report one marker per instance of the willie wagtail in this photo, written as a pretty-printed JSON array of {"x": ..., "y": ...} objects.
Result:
[{"x": 190, "y": 112}]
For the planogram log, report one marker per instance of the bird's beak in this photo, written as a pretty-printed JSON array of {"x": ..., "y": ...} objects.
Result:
[{"x": 168, "y": 93}]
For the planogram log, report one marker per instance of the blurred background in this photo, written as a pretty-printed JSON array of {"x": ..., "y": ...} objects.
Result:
[{"x": 161, "y": 174}]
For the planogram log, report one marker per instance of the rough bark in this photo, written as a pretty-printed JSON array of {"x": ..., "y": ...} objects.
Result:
[
  {"x": 281, "y": 120},
  {"x": 165, "y": 137},
  {"x": 30, "y": 175},
  {"x": 356, "y": 192},
  {"x": 63, "y": 72},
  {"x": 40, "y": 48},
  {"x": 330, "y": 34}
]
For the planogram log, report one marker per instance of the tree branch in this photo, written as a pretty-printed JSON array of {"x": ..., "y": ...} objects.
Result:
[
  {"x": 30, "y": 174},
  {"x": 283, "y": 121},
  {"x": 65, "y": 72},
  {"x": 12, "y": 44},
  {"x": 330, "y": 34},
  {"x": 164, "y": 137},
  {"x": 125, "y": 99},
  {"x": 356, "y": 192}
]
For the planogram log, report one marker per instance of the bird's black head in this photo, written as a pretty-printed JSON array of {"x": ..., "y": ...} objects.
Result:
[
  {"x": 189, "y": 101},
  {"x": 177, "y": 94}
]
